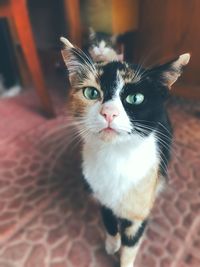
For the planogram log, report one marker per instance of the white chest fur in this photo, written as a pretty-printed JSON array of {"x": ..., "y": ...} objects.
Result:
[{"x": 112, "y": 169}]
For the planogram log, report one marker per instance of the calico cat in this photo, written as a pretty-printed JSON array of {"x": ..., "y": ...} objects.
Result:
[
  {"x": 120, "y": 112},
  {"x": 103, "y": 47}
]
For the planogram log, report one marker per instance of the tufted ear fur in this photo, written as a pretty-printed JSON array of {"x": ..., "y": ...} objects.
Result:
[
  {"x": 170, "y": 72},
  {"x": 79, "y": 65},
  {"x": 92, "y": 34}
]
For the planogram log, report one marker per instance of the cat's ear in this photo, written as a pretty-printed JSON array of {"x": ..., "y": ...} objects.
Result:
[
  {"x": 170, "y": 72},
  {"x": 92, "y": 34},
  {"x": 114, "y": 39},
  {"x": 79, "y": 65}
]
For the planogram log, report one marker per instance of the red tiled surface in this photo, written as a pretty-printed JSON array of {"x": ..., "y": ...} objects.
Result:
[{"x": 46, "y": 218}]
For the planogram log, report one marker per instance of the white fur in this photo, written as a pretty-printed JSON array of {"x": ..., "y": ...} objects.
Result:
[
  {"x": 96, "y": 122},
  {"x": 114, "y": 162},
  {"x": 112, "y": 243},
  {"x": 103, "y": 53},
  {"x": 112, "y": 168}
]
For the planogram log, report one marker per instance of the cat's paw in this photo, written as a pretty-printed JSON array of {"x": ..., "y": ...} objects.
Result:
[{"x": 112, "y": 243}]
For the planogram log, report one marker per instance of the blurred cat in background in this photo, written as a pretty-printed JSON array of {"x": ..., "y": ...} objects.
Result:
[{"x": 104, "y": 47}]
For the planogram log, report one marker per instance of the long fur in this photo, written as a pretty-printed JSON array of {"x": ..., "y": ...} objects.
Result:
[{"x": 124, "y": 159}]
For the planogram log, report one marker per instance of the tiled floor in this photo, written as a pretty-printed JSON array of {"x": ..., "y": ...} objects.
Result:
[{"x": 46, "y": 218}]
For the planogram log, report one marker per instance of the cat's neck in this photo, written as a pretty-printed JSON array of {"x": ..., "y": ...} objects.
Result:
[
  {"x": 107, "y": 55},
  {"x": 129, "y": 144}
]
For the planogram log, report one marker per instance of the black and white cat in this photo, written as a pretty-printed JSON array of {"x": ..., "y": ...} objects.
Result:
[
  {"x": 102, "y": 47},
  {"x": 120, "y": 112}
]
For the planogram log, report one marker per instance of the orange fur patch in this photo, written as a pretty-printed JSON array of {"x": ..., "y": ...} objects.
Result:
[
  {"x": 77, "y": 103},
  {"x": 137, "y": 203},
  {"x": 127, "y": 75}
]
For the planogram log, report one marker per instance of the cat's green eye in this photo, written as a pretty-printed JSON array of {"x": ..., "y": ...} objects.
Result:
[
  {"x": 135, "y": 99},
  {"x": 91, "y": 93}
]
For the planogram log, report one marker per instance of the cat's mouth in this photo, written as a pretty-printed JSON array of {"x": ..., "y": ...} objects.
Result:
[
  {"x": 112, "y": 131},
  {"x": 108, "y": 130},
  {"x": 108, "y": 134}
]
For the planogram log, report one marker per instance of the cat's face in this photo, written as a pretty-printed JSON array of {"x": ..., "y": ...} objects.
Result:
[
  {"x": 103, "y": 47},
  {"x": 116, "y": 101}
]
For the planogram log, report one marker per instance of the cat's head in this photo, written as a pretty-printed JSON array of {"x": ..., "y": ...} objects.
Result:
[
  {"x": 116, "y": 101},
  {"x": 103, "y": 47}
]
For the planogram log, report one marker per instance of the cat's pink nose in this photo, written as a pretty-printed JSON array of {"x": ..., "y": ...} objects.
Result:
[{"x": 109, "y": 113}]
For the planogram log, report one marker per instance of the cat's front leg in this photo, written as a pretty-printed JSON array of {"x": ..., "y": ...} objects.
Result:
[
  {"x": 113, "y": 238},
  {"x": 132, "y": 233}
]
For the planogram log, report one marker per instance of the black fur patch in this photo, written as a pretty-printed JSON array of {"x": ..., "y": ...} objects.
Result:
[
  {"x": 108, "y": 80},
  {"x": 110, "y": 221},
  {"x": 132, "y": 241},
  {"x": 124, "y": 223},
  {"x": 86, "y": 186},
  {"x": 96, "y": 39},
  {"x": 150, "y": 115}
]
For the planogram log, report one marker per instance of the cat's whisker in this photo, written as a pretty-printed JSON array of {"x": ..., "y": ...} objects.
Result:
[
  {"x": 156, "y": 131},
  {"x": 163, "y": 143},
  {"x": 164, "y": 127},
  {"x": 163, "y": 161},
  {"x": 161, "y": 154},
  {"x": 115, "y": 166},
  {"x": 90, "y": 65},
  {"x": 70, "y": 142},
  {"x": 80, "y": 137},
  {"x": 145, "y": 121},
  {"x": 138, "y": 69},
  {"x": 147, "y": 130},
  {"x": 159, "y": 134},
  {"x": 125, "y": 129},
  {"x": 87, "y": 57},
  {"x": 77, "y": 135},
  {"x": 169, "y": 134},
  {"x": 60, "y": 129},
  {"x": 146, "y": 68},
  {"x": 167, "y": 137},
  {"x": 141, "y": 66},
  {"x": 64, "y": 138},
  {"x": 166, "y": 141},
  {"x": 54, "y": 133}
]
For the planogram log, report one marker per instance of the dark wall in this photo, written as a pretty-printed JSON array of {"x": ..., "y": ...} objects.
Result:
[
  {"x": 48, "y": 22},
  {"x": 8, "y": 64},
  {"x": 168, "y": 28}
]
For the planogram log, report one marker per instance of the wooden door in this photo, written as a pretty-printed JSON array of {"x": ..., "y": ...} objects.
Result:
[{"x": 168, "y": 28}]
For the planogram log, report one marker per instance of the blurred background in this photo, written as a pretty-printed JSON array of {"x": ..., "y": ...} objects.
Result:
[
  {"x": 46, "y": 219},
  {"x": 152, "y": 31}
]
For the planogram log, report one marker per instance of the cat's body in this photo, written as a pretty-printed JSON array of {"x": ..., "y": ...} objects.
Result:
[
  {"x": 109, "y": 168},
  {"x": 126, "y": 136},
  {"x": 102, "y": 47}
]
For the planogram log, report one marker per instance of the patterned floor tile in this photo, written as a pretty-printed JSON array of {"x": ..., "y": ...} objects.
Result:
[{"x": 47, "y": 218}]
